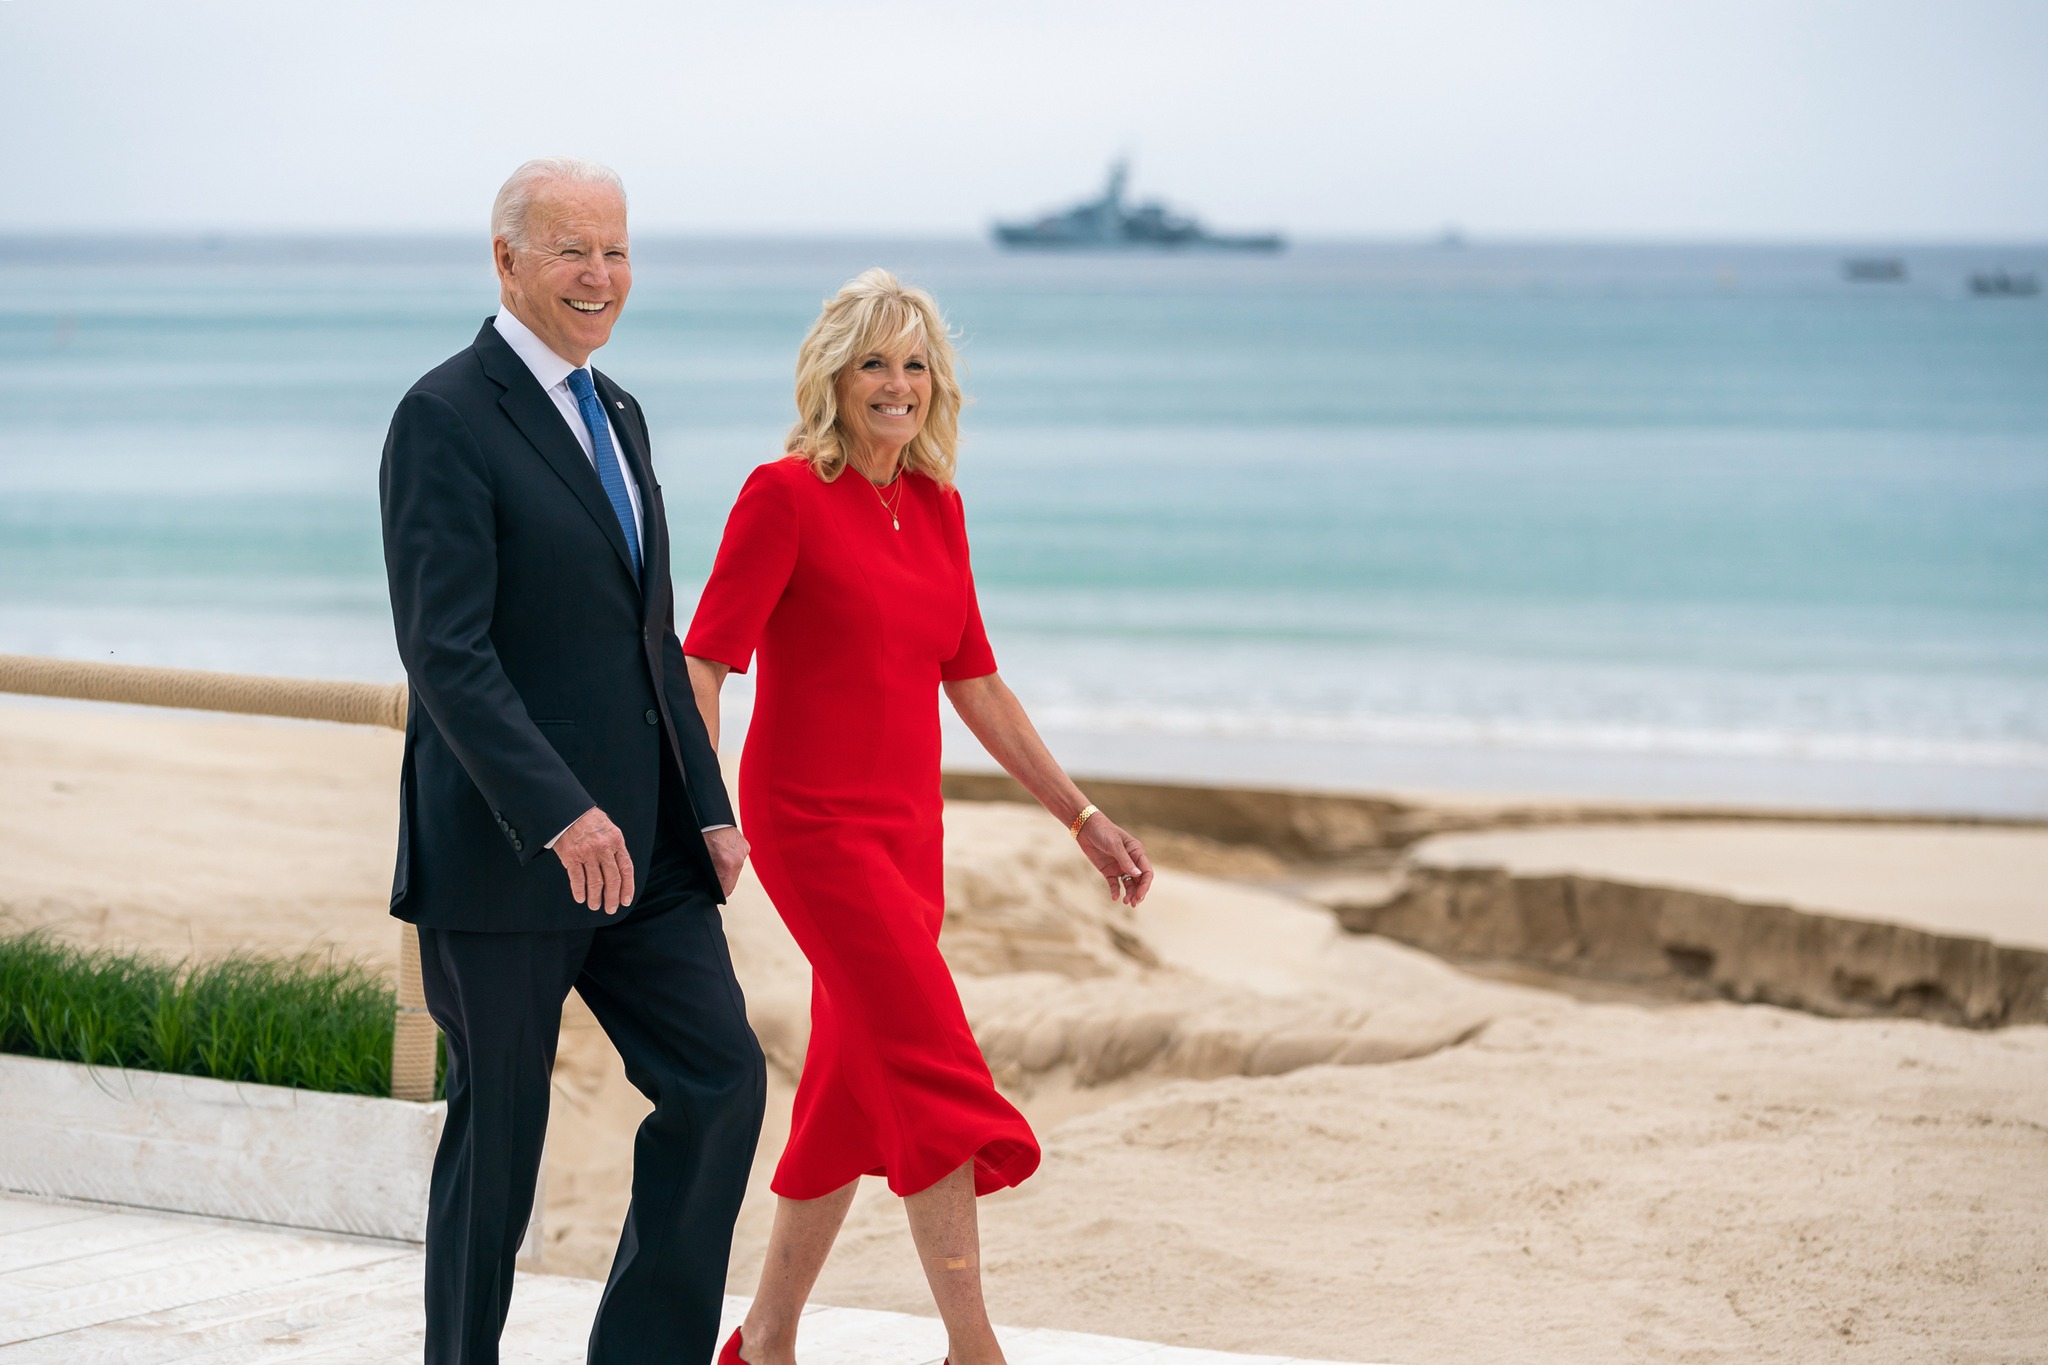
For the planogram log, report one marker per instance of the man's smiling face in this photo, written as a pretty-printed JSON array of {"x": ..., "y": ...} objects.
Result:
[{"x": 569, "y": 281}]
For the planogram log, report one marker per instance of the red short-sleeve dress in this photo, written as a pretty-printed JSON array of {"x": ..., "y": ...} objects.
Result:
[{"x": 856, "y": 623}]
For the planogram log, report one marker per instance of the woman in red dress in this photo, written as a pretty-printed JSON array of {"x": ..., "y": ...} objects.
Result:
[{"x": 845, "y": 566}]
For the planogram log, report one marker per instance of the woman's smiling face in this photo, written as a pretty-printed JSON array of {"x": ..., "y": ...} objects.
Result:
[{"x": 883, "y": 399}]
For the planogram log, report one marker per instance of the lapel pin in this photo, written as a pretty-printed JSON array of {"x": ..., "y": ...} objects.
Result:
[{"x": 619, "y": 404}]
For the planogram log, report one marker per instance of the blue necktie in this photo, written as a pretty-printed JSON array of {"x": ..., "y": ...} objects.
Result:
[{"x": 608, "y": 472}]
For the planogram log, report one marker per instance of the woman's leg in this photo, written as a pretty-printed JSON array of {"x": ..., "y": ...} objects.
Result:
[
  {"x": 797, "y": 1247},
  {"x": 948, "y": 1237}
]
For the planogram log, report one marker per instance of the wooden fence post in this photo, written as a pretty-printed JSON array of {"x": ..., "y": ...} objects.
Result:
[{"x": 414, "y": 1054}]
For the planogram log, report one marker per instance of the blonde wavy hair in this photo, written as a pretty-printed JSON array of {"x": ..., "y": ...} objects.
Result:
[{"x": 875, "y": 312}]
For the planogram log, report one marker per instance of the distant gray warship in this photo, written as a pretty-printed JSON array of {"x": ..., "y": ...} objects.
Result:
[{"x": 1108, "y": 224}]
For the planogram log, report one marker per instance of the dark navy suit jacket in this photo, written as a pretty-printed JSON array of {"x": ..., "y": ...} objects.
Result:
[{"x": 544, "y": 679}]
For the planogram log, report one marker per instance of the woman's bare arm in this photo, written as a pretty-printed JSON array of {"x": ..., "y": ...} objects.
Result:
[
  {"x": 992, "y": 711},
  {"x": 706, "y": 681}
]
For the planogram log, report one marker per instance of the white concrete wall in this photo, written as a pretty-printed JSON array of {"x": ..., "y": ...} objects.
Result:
[{"x": 264, "y": 1154}]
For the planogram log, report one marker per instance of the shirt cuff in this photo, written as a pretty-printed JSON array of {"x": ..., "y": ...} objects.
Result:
[{"x": 572, "y": 824}]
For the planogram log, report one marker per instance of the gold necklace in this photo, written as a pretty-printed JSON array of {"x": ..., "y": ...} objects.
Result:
[{"x": 895, "y": 522}]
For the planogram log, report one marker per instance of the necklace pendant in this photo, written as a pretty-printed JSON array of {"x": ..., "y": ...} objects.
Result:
[{"x": 895, "y": 524}]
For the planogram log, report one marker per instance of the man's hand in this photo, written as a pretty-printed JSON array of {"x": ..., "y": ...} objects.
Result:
[
  {"x": 728, "y": 849},
  {"x": 600, "y": 870}
]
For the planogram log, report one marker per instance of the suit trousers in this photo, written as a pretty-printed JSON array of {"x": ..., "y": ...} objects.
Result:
[{"x": 659, "y": 980}]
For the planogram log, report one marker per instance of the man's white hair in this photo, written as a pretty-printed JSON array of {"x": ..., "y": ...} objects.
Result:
[{"x": 512, "y": 213}]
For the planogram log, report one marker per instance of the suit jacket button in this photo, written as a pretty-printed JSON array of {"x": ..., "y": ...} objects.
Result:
[
  {"x": 654, "y": 718},
  {"x": 518, "y": 847}
]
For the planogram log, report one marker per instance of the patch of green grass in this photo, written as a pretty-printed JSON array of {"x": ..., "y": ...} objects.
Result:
[{"x": 310, "y": 1022}]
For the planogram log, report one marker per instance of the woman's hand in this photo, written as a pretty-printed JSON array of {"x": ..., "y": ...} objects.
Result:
[{"x": 1119, "y": 857}]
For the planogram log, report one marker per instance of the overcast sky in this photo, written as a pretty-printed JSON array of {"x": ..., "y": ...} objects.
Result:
[{"x": 1748, "y": 118}]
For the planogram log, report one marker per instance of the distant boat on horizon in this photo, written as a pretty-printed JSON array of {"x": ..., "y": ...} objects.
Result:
[
  {"x": 1873, "y": 269},
  {"x": 1997, "y": 284},
  {"x": 1106, "y": 223}
]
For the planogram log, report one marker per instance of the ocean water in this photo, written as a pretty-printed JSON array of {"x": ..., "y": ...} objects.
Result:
[{"x": 1704, "y": 523}]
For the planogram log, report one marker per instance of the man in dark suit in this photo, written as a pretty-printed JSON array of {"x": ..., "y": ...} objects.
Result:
[{"x": 563, "y": 822}]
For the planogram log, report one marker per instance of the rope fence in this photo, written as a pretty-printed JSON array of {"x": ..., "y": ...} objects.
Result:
[
  {"x": 413, "y": 1040},
  {"x": 195, "y": 689}
]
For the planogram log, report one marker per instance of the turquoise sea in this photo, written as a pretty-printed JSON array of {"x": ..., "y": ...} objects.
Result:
[{"x": 1704, "y": 523}]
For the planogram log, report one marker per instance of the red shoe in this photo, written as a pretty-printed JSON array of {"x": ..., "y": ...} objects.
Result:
[{"x": 731, "y": 1354}]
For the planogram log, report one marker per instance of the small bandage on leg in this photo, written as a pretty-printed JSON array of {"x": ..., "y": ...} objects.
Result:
[{"x": 968, "y": 1262}]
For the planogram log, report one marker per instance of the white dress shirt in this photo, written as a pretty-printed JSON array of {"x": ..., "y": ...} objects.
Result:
[{"x": 553, "y": 374}]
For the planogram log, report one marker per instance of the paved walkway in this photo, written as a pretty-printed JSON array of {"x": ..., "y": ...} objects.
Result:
[{"x": 83, "y": 1286}]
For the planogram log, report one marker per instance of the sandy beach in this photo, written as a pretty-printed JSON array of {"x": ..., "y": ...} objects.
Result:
[{"x": 1262, "y": 1132}]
